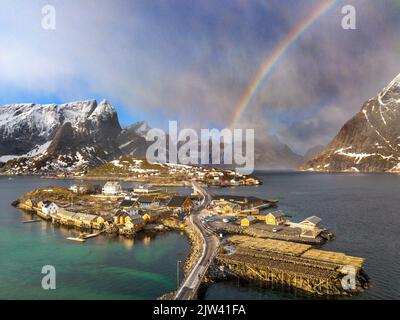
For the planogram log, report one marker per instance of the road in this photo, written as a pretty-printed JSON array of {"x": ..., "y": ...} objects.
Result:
[{"x": 189, "y": 287}]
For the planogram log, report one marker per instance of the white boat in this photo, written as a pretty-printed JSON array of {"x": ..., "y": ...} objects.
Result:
[{"x": 76, "y": 239}]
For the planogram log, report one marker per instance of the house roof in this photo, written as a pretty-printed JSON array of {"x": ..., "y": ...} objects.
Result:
[
  {"x": 138, "y": 220},
  {"x": 147, "y": 199},
  {"x": 127, "y": 203},
  {"x": 277, "y": 214},
  {"x": 177, "y": 201},
  {"x": 313, "y": 219},
  {"x": 121, "y": 213},
  {"x": 249, "y": 219},
  {"x": 112, "y": 183}
]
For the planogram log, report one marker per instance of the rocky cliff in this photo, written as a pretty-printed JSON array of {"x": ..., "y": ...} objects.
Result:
[{"x": 370, "y": 141}]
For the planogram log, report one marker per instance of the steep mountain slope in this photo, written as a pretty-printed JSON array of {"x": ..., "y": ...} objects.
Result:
[
  {"x": 24, "y": 127},
  {"x": 370, "y": 141},
  {"x": 75, "y": 137},
  {"x": 131, "y": 140}
]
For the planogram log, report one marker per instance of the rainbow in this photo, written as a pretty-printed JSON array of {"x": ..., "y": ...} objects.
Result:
[{"x": 272, "y": 59}]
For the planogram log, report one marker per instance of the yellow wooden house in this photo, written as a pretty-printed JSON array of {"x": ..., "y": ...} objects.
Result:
[
  {"x": 248, "y": 221},
  {"x": 29, "y": 203},
  {"x": 151, "y": 216},
  {"x": 275, "y": 218}
]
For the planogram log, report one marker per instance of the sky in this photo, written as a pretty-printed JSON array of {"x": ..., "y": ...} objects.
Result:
[{"x": 193, "y": 60}]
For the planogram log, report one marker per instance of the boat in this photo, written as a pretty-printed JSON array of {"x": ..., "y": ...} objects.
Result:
[{"x": 78, "y": 239}]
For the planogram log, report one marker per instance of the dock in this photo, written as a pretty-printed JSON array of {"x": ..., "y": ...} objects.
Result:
[
  {"x": 84, "y": 236},
  {"x": 293, "y": 265},
  {"x": 31, "y": 221}
]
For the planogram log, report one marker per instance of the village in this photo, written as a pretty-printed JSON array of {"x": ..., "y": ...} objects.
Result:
[{"x": 111, "y": 208}]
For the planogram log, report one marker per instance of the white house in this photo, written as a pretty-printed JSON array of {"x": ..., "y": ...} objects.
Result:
[
  {"x": 312, "y": 222},
  {"x": 49, "y": 208},
  {"x": 112, "y": 188}
]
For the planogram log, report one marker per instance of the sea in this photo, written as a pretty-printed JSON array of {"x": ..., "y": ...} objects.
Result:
[{"x": 362, "y": 210}]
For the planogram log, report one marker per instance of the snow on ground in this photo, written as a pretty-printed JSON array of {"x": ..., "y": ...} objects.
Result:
[{"x": 34, "y": 152}]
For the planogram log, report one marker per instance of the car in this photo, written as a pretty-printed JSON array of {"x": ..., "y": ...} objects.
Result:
[
  {"x": 275, "y": 230},
  {"x": 225, "y": 220}
]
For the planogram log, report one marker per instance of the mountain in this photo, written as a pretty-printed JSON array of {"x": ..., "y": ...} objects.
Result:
[
  {"x": 313, "y": 152},
  {"x": 132, "y": 141},
  {"x": 370, "y": 141},
  {"x": 271, "y": 153},
  {"x": 75, "y": 137},
  {"x": 53, "y": 138}
]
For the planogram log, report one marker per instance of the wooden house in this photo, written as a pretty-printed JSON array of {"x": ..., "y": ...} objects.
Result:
[
  {"x": 29, "y": 203},
  {"x": 148, "y": 201},
  {"x": 112, "y": 188},
  {"x": 127, "y": 204},
  {"x": 275, "y": 218},
  {"x": 180, "y": 204},
  {"x": 312, "y": 222},
  {"x": 49, "y": 208},
  {"x": 246, "y": 222},
  {"x": 151, "y": 216},
  {"x": 135, "y": 224}
]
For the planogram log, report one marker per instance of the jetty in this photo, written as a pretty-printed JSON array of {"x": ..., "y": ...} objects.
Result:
[
  {"x": 31, "y": 221},
  {"x": 293, "y": 265},
  {"x": 84, "y": 236}
]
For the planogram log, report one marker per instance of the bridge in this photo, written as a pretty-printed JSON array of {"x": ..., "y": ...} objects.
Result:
[{"x": 189, "y": 287}]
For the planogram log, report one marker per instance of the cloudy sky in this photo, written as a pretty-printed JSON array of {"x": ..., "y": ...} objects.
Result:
[{"x": 192, "y": 61}]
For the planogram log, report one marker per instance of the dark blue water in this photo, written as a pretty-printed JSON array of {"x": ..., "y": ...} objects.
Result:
[{"x": 363, "y": 211}]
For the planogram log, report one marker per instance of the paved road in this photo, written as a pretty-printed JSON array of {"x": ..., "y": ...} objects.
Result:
[{"x": 188, "y": 289}]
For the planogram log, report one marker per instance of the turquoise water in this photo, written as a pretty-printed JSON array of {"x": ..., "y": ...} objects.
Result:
[{"x": 101, "y": 268}]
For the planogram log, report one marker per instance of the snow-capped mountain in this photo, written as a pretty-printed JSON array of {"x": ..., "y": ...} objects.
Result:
[
  {"x": 47, "y": 139},
  {"x": 370, "y": 141},
  {"x": 74, "y": 137}
]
